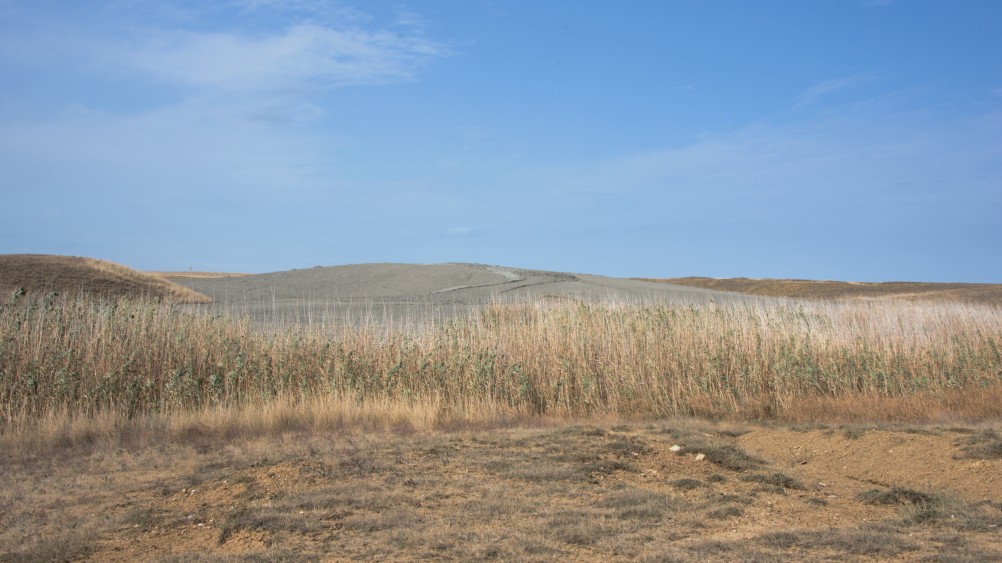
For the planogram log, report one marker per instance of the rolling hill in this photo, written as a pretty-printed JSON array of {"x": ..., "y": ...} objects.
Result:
[
  {"x": 71, "y": 274},
  {"x": 809, "y": 289}
]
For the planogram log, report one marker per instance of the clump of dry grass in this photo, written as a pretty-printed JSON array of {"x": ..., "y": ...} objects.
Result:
[
  {"x": 67, "y": 359},
  {"x": 986, "y": 444}
]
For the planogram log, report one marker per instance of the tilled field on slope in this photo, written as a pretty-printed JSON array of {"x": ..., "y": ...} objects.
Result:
[{"x": 407, "y": 293}]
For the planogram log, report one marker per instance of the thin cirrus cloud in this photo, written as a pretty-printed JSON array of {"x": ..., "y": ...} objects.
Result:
[
  {"x": 814, "y": 94},
  {"x": 830, "y": 162},
  {"x": 218, "y": 129},
  {"x": 301, "y": 57}
]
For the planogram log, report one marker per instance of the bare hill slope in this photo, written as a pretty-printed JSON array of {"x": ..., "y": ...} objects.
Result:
[
  {"x": 415, "y": 292},
  {"x": 72, "y": 274},
  {"x": 969, "y": 292}
]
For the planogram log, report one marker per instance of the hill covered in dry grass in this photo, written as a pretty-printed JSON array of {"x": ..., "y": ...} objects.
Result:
[
  {"x": 33, "y": 273},
  {"x": 810, "y": 289}
]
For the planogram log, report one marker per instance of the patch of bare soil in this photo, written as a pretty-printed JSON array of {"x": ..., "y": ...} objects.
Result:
[
  {"x": 678, "y": 491},
  {"x": 856, "y": 457}
]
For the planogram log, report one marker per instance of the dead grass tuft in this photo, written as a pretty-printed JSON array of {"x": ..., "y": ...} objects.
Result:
[
  {"x": 986, "y": 444},
  {"x": 896, "y": 495},
  {"x": 687, "y": 484},
  {"x": 642, "y": 505},
  {"x": 781, "y": 480},
  {"x": 68, "y": 546},
  {"x": 727, "y": 456},
  {"x": 725, "y": 512},
  {"x": 939, "y": 508},
  {"x": 846, "y": 542}
]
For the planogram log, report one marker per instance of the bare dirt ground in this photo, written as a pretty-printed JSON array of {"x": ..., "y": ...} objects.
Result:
[
  {"x": 411, "y": 293},
  {"x": 578, "y": 492}
]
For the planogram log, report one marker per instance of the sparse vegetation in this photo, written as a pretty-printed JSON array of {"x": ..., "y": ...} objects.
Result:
[
  {"x": 687, "y": 484},
  {"x": 65, "y": 547},
  {"x": 850, "y": 542},
  {"x": 780, "y": 480},
  {"x": 723, "y": 454},
  {"x": 985, "y": 445},
  {"x": 938, "y": 508},
  {"x": 725, "y": 512},
  {"x": 896, "y": 495},
  {"x": 560, "y": 492}
]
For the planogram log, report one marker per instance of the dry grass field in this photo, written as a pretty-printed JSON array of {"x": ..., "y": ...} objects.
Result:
[{"x": 552, "y": 426}]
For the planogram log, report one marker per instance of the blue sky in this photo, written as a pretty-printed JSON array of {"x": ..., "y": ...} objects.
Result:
[{"x": 831, "y": 139}]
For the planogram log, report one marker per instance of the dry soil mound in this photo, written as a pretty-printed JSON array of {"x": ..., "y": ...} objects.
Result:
[{"x": 74, "y": 275}]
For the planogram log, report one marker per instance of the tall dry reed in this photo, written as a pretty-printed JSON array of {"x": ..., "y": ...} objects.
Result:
[{"x": 763, "y": 359}]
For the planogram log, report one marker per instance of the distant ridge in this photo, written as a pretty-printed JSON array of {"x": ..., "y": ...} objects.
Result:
[
  {"x": 808, "y": 289},
  {"x": 72, "y": 275}
]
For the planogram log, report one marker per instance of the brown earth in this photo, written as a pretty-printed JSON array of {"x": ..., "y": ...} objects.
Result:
[
  {"x": 810, "y": 289},
  {"x": 74, "y": 275},
  {"x": 582, "y": 492}
]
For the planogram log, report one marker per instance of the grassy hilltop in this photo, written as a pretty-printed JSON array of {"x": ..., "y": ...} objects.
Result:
[{"x": 72, "y": 275}]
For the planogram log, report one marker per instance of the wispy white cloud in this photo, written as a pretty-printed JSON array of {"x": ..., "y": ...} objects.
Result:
[
  {"x": 187, "y": 151},
  {"x": 825, "y": 190},
  {"x": 327, "y": 10},
  {"x": 842, "y": 157},
  {"x": 815, "y": 93},
  {"x": 294, "y": 47},
  {"x": 302, "y": 56},
  {"x": 411, "y": 19},
  {"x": 217, "y": 132}
]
